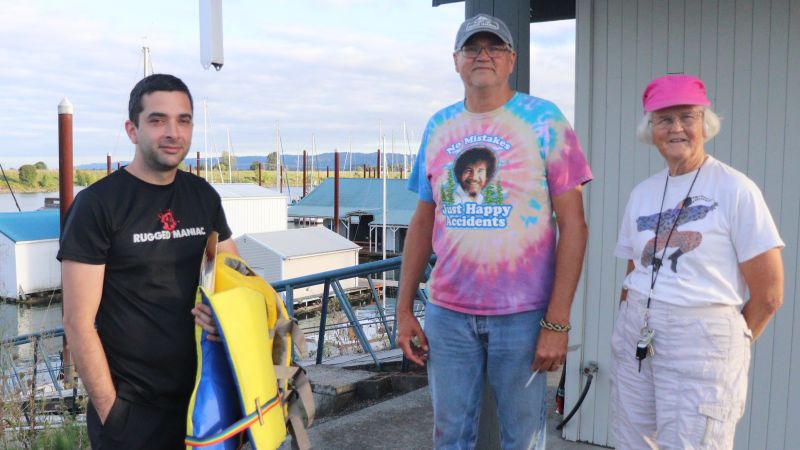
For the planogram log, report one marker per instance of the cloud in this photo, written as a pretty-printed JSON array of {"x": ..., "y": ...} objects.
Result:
[{"x": 334, "y": 68}]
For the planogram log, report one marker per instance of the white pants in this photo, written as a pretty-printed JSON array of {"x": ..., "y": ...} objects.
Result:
[{"x": 691, "y": 393}]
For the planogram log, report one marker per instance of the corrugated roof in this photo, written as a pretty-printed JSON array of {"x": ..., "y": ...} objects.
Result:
[
  {"x": 244, "y": 190},
  {"x": 401, "y": 217},
  {"x": 302, "y": 241},
  {"x": 360, "y": 196},
  {"x": 30, "y": 225}
]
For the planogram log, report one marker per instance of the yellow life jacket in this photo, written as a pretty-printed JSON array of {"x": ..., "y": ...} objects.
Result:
[{"x": 247, "y": 382}]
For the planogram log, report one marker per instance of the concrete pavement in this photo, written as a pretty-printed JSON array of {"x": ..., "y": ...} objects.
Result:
[{"x": 406, "y": 422}]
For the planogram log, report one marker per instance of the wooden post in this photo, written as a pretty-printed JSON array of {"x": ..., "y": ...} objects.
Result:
[
  {"x": 108, "y": 163},
  {"x": 65, "y": 194}
]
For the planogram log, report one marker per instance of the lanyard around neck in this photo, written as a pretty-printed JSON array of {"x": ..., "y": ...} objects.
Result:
[{"x": 657, "y": 262}]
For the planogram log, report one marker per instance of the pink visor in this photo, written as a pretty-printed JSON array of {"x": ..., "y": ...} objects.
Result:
[{"x": 674, "y": 90}]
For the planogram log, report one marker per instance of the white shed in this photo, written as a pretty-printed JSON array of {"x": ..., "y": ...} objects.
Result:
[
  {"x": 28, "y": 247},
  {"x": 279, "y": 255},
  {"x": 251, "y": 208}
]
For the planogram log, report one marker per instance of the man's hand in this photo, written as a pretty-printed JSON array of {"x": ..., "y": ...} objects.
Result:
[
  {"x": 408, "y": 329},
  {"x": 202, "y": 317},
  {"x": 551, "y": 351}
]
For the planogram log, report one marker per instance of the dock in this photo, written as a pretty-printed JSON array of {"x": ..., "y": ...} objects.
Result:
[{"x": 390, "y": 409}]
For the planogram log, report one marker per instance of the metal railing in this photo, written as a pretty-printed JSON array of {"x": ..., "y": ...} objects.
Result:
[
  {"x": 14, "y": 377},
  {"x": 21, "y": 377},
  {"x": 332, "y": 280}
]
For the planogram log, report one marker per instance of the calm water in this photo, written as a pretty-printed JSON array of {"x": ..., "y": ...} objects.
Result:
[
  {"x": 28, "y": 202},
  {"x": 19, "y": 319}
]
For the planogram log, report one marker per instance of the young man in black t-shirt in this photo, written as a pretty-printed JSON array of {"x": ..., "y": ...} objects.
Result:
[{"x": 131, "y": 250}]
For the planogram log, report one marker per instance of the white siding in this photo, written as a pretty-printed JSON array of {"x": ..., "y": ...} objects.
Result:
[
  {"x": 748, "y": 53},
  {"x": 255, "y": 215},
  {"x": 308, "y": 265},
  {"x": 8, "y": 268},
  {"x": 38, "y": 270},
  {"x": 29, "y": 266},
  {"x": 266, "y": 263}
]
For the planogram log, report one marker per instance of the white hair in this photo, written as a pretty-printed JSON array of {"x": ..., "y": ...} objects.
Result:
[{"x": 711, "y": 126}]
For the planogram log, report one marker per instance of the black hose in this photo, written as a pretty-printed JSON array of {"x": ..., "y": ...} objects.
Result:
[{"x": 589, "y": 371}]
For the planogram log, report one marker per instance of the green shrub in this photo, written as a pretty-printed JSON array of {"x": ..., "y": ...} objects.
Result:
[
  {"x": 40, "y": 165},
  {"x": 28, "y": 174},
  {"x": 71, "y": 435},
  {"x": 44, "y": 180},
  {"x": 84, "y": 178}
]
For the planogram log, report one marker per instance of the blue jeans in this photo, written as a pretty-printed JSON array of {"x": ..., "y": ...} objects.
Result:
[{"x": 465, "y": 348}]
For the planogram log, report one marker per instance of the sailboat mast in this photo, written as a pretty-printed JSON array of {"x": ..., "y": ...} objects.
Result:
[
  {"x": 205, "y": 134},
  {"x": 383, "y": 239},
  {"x": 230, "y": 150},
  {"x": 278, "y": 158},
  {"x": 408, "y": 150},
  {"x": 313, "y": 153}
]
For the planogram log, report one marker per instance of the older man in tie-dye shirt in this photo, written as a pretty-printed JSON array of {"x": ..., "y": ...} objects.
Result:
[{"x": 502, "y": 287}]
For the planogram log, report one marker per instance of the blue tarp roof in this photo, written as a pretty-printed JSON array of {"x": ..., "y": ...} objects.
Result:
[
  {"x": 30, "y": 225},
  {"x": 359, "y": 196}
]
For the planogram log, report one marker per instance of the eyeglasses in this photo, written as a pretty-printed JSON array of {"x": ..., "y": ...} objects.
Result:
[
  {"x": 687, "y": 120},
  {"x": 494, "y": 51}
]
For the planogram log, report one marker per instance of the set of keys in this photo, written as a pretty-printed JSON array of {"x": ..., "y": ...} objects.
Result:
[{"x": 645, "y": 345}]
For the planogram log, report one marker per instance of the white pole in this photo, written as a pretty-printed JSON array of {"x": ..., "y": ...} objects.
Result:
[
  {"x": 383, "y": 239},
  {"x": 205, "y": 133},
  {"x": 313, "y": 153},
  {"x": 390, "y": 166},
  {"x": 408, "y": 150},
  {"x": 230, "y": 150},
  {"x": 350, "y": 152},
  {"x": 277, "y": 158}
]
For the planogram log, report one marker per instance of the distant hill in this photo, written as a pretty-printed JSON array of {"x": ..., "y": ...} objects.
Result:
[{"x": 291, "y": 161}]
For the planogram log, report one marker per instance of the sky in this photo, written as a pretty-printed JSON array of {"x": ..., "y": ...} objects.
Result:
[{"x": 338, "y": 73}]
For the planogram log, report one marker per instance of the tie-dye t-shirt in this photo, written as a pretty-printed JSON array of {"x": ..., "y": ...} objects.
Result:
[{"x": 491, "y": 176}]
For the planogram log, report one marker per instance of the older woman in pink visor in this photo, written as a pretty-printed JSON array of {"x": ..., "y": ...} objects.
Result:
[{"x": 697, "y": 237}]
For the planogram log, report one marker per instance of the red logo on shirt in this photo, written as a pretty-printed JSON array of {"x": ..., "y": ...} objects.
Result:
[{"x": 168, "y": 220}]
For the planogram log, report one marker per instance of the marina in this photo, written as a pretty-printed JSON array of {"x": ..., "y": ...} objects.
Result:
[{"x": 318, "y": 77}]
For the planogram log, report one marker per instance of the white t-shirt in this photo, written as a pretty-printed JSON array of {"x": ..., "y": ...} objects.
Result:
[{"x": 726, "y": 222}]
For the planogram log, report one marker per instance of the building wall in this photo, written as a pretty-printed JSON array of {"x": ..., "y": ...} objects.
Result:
[
  {"x": 30, "y": 266},
  {"x": 38, "y": 270},
  {"x": 748, "y": 53},
  {"x": 263, "y": 261},
  {"x": 255, "y": 215},
  {"x": 8, "y": 268},
  {"x": 308, "y": 265}
]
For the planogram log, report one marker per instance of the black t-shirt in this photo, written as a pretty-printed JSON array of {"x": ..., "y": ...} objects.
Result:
[{"x": 151, "y": 239}]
